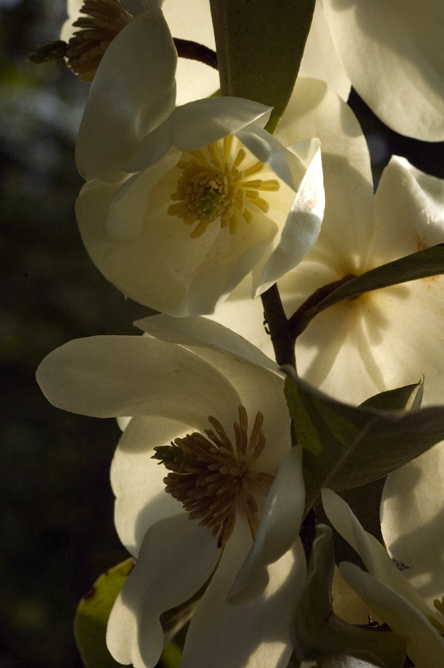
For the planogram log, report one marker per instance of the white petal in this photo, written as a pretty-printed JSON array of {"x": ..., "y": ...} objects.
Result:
[
  {"x": 392, "y": 53},
  {"x": 197, "y": 124},
  {"x": 258, "y": 631},
  {"x": 137, "y": 479},
  {"x": 320, "y": 59},
  {"x": 411, "y": 521},
  {"x": 302, "y": 226},
  {"x": 425, "y": 645},
  {"x": 132, "y": 92},
  {"x": 108, "y": 376},
  {"x": 175, "y": 551},
  {"x": 372, "y": 553},
  {"x": 203, "y": 334},
  {"x": 279, "y": 528},
  {"x": 315, "y": 110},
  {"x": 192, "y": 22}
]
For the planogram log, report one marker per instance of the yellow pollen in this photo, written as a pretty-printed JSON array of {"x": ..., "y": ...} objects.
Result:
[
  {"x": 215, "y": 479},
  {"x": 103, "y": 21},
  {"x": 212, "y": 187}
]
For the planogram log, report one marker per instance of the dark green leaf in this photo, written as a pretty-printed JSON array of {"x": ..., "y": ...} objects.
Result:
[
  {"x": 318, "y": 633},
  {"x": 259, "y": 48},
  {"x": 92, "y": 616},
  {"x": 347, "y": 447},
  {"x": 403, "y": 398},
  {"x": 424, "y": 263}
]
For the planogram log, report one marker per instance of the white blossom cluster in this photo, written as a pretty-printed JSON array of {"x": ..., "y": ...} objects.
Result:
[{"x": 190, "y": 207}]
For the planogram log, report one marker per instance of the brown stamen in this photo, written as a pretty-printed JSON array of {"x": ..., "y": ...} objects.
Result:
[{"x": 214, "y": 479}]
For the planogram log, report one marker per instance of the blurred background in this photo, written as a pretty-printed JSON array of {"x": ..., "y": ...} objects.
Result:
[{"x": 56, "y": 505}]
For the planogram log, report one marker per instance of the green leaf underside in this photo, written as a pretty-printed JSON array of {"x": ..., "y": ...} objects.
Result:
[
  {"x": 318, "y": 633},
  {"x": 346, "y": 447},
  {"x": 423, "y": 264},
  {"x": 92, "y": 616},
  {"x": 259, "y": 48},
  {"x": 402, "y": 398}
]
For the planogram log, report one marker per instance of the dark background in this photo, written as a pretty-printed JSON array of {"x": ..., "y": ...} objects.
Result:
[{"x": 56, "y": 505}]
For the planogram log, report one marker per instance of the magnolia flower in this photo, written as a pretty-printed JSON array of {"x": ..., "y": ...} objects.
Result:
[
  {"x": 180, "y": 204},
  {"x": 391, "y": 52},
  {"x": 409, "y": 601},
  {"x": 93, "y": 24},
  {"x": 382, "y": 339},
  {"x": 209, "y": 431}
]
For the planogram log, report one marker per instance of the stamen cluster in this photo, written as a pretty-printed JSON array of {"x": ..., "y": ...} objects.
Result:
[
  {"x": 212, "y": 186},
  {"x": 103, "y": 21},
  {"x": 214, "y": 479}
]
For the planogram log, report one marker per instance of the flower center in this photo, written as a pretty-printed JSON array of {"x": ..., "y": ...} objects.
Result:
[
  {"x": 214, "y": 479},
  {"x": 212, "y": 187},
  {"x": 439, "y": 605},
  {"x": 103, "y": 20}
]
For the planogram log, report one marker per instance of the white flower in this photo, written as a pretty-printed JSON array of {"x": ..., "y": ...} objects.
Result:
[
  {"x": 391, "y": 52},
  {"x": 213, "y": 410},
  {"x": 182, "y": 203},
  {"x": 402, "y": 599},
  {"x": 106, "y": 19},
  {"x": 382, "y": 339}
]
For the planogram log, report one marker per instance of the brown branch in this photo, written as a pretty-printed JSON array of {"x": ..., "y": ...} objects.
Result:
[
  {"x": 194, "y": 51},
  {"x": 281, "y": 337}
]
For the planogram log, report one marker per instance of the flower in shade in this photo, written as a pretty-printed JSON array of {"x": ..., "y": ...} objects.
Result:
[
  {"x": 181, "y": 203},
  {"x": 191, "y": 474},
  {"x": 93, "y": 24},
  {"x": 391, "y": 52},
  {"x": 382, "y": 339},
  {"x": 410, "y": 600}
]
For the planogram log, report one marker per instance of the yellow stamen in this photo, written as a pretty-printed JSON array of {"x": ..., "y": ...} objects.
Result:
[{"x": 212, "y": 187}]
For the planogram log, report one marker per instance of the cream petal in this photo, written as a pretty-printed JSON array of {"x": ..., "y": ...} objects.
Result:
[
  {"x": 302, "y": 226},
  {"x": 108, "y": 376},
  {"x": 175, "y": 551},
  {"x": 132, "y": 92},
  {"x": 425, "y": 645},
  {"x": 128, "y": 207},
  {"x": 320, "y": 59},
  {"x": 245, "y": 316},
  {"x": 193, "y": 22},
  {"x": 227, "y": 262},
  {"x": 73, "y": 10},
  {"x": 259, "y": 631},
  {"x": 412, "y": 518},
  {"x": 197, "y": 124},
  {"x": 202, "y": 333},
  {"x": 392, "y": 53},
  {"x": 315, "y": 110},
  {"x": 372, "y": 553},
  {"x": 137, "y": 479},
  {"x": 278, "y": 530},
  {"x": 409, "y": 212}
]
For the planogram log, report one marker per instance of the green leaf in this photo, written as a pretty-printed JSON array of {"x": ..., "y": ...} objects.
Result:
[
  {"x": 259, "y": 47},
  {"x": 92, "y": 616},
  {"x": 424, "y": 263},
  {"x": 318, "y": 633},
  {"x": 403, "y": 398},
  {"x": 347, "y": 446}
]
